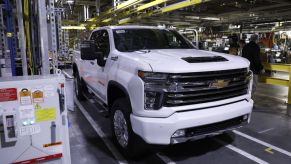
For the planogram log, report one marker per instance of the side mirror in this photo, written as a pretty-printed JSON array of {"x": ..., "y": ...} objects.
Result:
[
  {"x": 101, "y": 60},
  {"x": 88, "y": 50}
]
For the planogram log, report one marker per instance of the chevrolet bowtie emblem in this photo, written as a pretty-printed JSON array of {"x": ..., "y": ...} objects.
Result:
[{"x": 219, "y": 84}]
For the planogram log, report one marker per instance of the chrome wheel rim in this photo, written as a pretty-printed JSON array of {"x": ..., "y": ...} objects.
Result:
[{"x": 120, "y": 128}]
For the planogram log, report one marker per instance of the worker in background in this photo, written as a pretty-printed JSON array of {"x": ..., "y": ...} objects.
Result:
[
  {"x": 251, "y": 51},
  {"x": 242, "y": 44},
  {"x": 233, "y": 46}
]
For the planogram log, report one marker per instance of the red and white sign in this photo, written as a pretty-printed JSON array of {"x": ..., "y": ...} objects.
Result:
[
  {"x": 8, "y": 94},
  {"x": 40, "y": 159}
]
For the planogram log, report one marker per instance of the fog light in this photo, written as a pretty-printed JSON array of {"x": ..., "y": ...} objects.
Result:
[
  {"x": 179, "y": 133},
  {"x": 245, "y": 117}
]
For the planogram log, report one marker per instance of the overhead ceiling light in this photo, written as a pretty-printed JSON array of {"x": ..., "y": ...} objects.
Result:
[
  {"x": 151, "y": 4},
  {"x": 73, "y": 28},
  {"x": 192, "y": 17},
  {"x": 127, "y": 4},
  {"x": 107, "y": 20},
  {"x": 70, "y": 1},
  {"x": 182, "y": 4},
  {"x": 211, "y": 18},
  {"x": 124, "y": 21}
]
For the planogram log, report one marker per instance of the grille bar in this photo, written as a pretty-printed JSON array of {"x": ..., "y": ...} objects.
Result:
[
  {"x": 206, "y": 88},
  {"x": 185, "y": 89},
  {"x": 207, "y": 93},
  {"x": 202, "y": 100}
]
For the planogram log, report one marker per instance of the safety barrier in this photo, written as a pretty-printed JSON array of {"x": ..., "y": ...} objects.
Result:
[{"x": 278, "y": 81}]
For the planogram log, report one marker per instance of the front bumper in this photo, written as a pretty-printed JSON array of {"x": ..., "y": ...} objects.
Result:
[{"x": 160, "y": 130}]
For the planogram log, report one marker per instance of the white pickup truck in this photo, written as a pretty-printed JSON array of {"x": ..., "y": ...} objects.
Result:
[{"x": 159, "y": 89}]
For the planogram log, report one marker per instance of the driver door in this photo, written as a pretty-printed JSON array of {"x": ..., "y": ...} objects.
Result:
[{"x": 98, "y": 77}]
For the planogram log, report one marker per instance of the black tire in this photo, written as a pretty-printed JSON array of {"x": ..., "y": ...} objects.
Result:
[
  {"x": 135, "y": 145},
  {"x": 79, "y": 88}
]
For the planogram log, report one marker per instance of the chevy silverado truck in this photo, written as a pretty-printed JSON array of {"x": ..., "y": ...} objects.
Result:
[{"x": 159, "y": 89}]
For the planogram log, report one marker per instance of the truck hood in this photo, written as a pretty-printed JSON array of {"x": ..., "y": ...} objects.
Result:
[{"x": 173, "y": 60}]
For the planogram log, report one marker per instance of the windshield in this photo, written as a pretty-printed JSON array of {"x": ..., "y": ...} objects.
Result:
[{"x": 128, "y": 40}]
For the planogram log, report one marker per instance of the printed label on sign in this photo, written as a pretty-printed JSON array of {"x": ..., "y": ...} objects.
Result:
[
  {"x": 37, "y": 95},
  {"x": 26, "y": 112},
  {"x": 29, "y": 130},
  {"x": 25, "y": 96},
  {"x": 48, "y": 88},
  {"x": 8, "y": 94},
  {"x": 47, "y": 114},
  {"x": 49, "y": 94}
]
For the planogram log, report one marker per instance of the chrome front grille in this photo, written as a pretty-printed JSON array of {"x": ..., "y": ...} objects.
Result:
[{"x": 195, "y": 88}]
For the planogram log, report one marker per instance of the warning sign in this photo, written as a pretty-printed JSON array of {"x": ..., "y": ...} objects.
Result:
[
  {"x": 37, "y": 96},
  {"x": 25, "y": 96},
  {"x": 47, "y": 114},
  {"x": 8, "y": 94}
]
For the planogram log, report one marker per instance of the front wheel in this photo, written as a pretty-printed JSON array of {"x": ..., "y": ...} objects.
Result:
[{"x": 126, "y": 140}]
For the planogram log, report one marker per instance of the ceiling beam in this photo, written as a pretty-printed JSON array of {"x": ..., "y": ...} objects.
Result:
[{"x": 180, "y": 5}]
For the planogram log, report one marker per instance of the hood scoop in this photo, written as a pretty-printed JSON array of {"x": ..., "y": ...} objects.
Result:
[{"x": 204, "y": 59}]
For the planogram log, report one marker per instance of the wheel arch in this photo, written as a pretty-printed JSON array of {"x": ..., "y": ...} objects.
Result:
[{"x": 116, "y": 90}]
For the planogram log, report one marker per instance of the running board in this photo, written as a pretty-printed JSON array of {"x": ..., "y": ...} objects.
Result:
[{"x": 102, "y": 107}]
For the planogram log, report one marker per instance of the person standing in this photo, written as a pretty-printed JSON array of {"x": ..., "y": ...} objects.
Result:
[
  {"x": 251, "y": 51},
  {"x": 242, "y": 44}
]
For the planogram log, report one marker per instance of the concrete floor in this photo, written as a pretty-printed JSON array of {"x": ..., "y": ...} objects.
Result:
[{"x": 264, "y": 140}]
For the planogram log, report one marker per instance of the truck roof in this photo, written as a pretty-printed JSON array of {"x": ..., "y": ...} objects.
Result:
[{"x": 130, "y": 27}]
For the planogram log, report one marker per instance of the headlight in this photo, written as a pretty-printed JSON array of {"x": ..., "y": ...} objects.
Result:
[
  {"x": 151, "y": 76},
  {"x": 154, "y": 85}
]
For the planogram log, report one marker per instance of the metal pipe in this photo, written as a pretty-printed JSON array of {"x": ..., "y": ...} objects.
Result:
[
  {"x": 21, "y": 37},
  {"x": 87, "y": 12},
  {"x": 84, "y": 8},
  {"x": 196, "y": 38},
  {"x": 97, "y": 7},
  {"x": 9, "y": 36},
  {"x": 43, "y": 36}
]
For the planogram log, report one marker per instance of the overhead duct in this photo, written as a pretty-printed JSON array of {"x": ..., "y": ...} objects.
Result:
[{"x": 180, "y": 5}]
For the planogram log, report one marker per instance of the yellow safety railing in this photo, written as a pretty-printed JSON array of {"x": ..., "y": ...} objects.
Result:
[{"x": 278, "y": 81}]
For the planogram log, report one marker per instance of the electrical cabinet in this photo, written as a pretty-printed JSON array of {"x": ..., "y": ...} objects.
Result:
[{"x": 33, "y": 120}]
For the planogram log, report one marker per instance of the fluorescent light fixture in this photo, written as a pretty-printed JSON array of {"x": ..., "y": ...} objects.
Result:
[
  {"x": 192, "y": 17},
  {"x": 180, "y": 5},
  {"x": 127, "y": 4},
  {"x": 70, "y": 1},
  {"x": 107, "y": 20},
  {"x": 73, "y": 28},
  {"x": 124, "y": 21},
  {"x": 211, "y": 18},
  {"x": 151, "y": 4}
]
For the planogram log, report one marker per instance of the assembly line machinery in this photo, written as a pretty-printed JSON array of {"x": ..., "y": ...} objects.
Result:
[{"x": 30, "y": 44}]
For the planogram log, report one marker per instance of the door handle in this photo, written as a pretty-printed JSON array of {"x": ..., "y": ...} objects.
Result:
[
  {"x": 114, "y": 58},
  {"x": 92, "y": 63}
]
